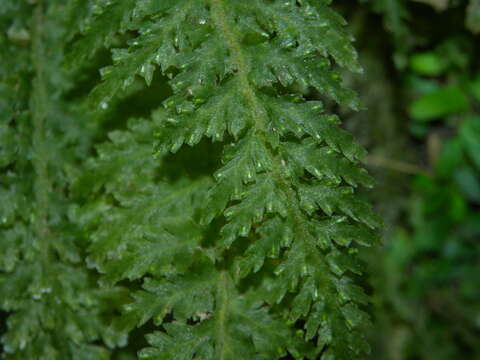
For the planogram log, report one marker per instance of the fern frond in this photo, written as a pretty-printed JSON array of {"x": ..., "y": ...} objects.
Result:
[
  {"x": 151, "y": 226},
  {"x": 229, "y": 325},
  {"x": 240, "y": 72},
  {"x": 54, "y": 310}
]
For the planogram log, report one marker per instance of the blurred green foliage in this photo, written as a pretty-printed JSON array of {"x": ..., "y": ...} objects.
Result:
[{"x": 422, "y": 127}]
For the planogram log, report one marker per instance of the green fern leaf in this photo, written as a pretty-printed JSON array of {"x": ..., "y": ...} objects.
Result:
[
  {"x": 54, "y": 310},
  {"x": 152, "y": 227},
  {"x": 243, "y": 74},
  {"x": 230, "y": 325}
]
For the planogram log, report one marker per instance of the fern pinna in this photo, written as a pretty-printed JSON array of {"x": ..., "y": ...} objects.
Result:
[{"x": 54, "y": 309}]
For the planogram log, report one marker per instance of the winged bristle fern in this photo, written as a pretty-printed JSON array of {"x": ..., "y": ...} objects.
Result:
[{"x": 246, "y": 254}]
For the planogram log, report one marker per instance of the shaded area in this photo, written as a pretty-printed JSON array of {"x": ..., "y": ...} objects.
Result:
[{"x": 422, "y": 133}]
